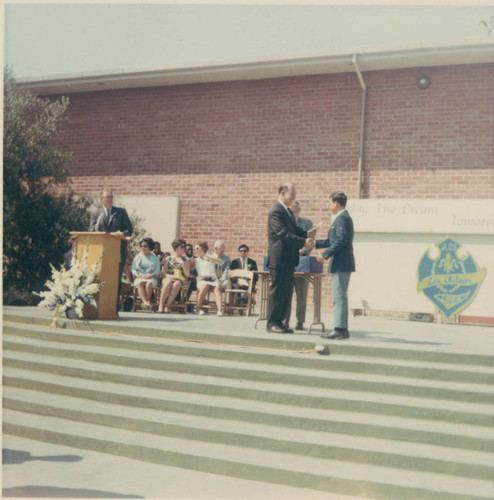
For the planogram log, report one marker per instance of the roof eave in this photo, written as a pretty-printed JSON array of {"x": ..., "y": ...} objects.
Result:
[{"x": 474, "y": 53}]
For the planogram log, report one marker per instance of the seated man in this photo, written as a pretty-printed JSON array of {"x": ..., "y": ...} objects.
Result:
[
  {"x": 219, "y": 253},
  {"x": 243, "y": 262},
  {"x": 158, "y": 252},
  {"x": 192, "y": 280}
]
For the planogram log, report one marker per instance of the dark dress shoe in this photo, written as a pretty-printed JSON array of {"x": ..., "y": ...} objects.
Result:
[
  {"x": 275, "y": 329},
  {"x": 337, "y": 334},
  {"x": 278, "y": 329},
  {"x": 299, "y": 326}
]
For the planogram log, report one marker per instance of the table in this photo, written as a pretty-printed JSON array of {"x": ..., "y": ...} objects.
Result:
[{"x": 314, "y": 278}]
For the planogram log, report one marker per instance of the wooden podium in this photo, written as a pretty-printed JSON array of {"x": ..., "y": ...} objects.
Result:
[{"x": 96, "y": 245}]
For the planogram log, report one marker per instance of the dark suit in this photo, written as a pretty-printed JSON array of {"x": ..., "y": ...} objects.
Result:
[
  {"x": 284, "y": 241},
  {"x": 118, "y": 221},
  {"x": 251, "y": 266}
]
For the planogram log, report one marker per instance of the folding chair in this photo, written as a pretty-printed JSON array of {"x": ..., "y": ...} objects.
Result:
[
  {"x": 230, "y": 294},
  {"x": 155, "y": 298}
]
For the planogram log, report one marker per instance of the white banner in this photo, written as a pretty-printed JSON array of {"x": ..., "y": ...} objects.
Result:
[{"x": 423, "y": 216}]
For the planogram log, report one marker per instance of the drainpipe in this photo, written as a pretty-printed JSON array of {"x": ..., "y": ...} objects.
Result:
[{"x": 362, "y": 125}]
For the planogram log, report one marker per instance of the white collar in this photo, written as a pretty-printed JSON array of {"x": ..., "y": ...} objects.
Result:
[{"x": 339, "y": 213}]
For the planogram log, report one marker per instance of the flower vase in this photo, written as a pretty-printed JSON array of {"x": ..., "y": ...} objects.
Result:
[{"x": 70, "y": 313}]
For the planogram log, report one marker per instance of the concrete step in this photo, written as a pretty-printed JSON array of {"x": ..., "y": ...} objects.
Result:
[
  {"x": 325, "y": 474},
  {"x": 30, "y": 352},
  {"x": 102, "y": 333},
  {"x": 83, "y": 343},
  {"x": 87, "y": 381},
  {"x": 300, "y": 376},
  {"x": 361, "y": 449},
  {"x": 269, "y": 412},
  {"x": 358, "y": 423}
]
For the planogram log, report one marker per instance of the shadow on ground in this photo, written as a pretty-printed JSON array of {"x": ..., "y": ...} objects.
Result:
[
  {"x": 388, "y": 338},
  {"x": 13, "y": 457},
  {"x": 54, "y": 492}
]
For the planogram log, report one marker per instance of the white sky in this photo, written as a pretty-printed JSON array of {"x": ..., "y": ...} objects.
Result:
[{"x": 53, "y": 39}]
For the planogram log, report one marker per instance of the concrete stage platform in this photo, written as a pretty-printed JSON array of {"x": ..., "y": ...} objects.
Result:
[{"x": 364, "y": 330}]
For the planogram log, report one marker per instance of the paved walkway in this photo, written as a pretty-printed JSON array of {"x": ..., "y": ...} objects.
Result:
[{"x": 37, "y": 470}]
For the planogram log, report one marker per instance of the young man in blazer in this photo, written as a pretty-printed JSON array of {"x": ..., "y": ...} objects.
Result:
[
  {"x": 339, "y": 246},
  {"x": 285, "y": 240}
]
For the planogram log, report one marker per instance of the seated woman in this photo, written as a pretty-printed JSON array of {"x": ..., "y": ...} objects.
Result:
[
  {"x": 208, "y": 271},
  {"x": 176, "y": 268},
  {"x": 145, "y": 268}
]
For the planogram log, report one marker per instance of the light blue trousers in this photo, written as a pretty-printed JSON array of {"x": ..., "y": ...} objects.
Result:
[{"x": 340, "y": 300}]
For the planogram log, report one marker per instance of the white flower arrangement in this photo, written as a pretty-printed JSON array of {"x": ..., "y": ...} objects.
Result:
[{"x": 71, "y": 289}]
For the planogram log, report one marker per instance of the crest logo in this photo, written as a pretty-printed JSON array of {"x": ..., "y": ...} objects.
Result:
[{"x": 449, "y": 281}]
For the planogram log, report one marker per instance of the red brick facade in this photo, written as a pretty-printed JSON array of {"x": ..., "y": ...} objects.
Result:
[{"x": 225, "y": 147}]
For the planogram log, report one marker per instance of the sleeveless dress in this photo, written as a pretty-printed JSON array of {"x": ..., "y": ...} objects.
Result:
[
  {"x": 206, "y": 273},
  {"x": 176, "y": 269}
]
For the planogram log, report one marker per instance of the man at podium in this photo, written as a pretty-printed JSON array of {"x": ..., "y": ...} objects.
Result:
[{"x": 114, "y": 220}]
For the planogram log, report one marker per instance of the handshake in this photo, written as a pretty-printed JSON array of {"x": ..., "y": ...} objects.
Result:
[{"x": 309, "y": 244}]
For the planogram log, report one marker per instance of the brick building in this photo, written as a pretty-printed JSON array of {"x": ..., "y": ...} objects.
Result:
[{"x": 223, "y": 138}]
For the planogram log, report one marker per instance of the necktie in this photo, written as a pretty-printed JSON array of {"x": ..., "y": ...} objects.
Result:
[{"x": 108, "y": 212}]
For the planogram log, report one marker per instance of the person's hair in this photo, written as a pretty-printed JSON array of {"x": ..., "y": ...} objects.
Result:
[
  {"x": 156, "y": 243},
  {"x": 106, "y": 190},
  {"x": 189, "y": 245},
  {"x": 72, "y": 238},
  {"x": 203, "y": 245},
  {"x": 339, "y": 197},
  {"x": 178, "y": 242},
  {"x": 296, "y": 203},
  {"x": 243, "y": 245},
  {"x": 282, "y": 189},
  {"x": 148, "y": 241}
]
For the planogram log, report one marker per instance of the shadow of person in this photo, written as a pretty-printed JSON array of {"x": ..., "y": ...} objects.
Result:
[
  {"x": 12, "y": 457},
  {"x": 388, "y": 338},
  {"x": 55, "y": 492}
]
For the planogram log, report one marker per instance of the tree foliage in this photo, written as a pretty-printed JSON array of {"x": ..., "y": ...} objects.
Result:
[{"x": 39, "y": 208}]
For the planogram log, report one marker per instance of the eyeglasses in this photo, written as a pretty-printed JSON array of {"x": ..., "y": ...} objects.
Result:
[
  {"x": 180, "y": 246},
  {"x": 243, "y": 251},
  {"x": 144, "y": 246},
  {"x": 107, "y": 196}
]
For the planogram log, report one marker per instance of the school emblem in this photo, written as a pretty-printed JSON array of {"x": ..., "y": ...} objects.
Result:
[{"x": 449, "y": 281}]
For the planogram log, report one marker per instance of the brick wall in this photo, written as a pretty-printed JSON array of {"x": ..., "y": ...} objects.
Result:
[{"x": 224, "y": 148}]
